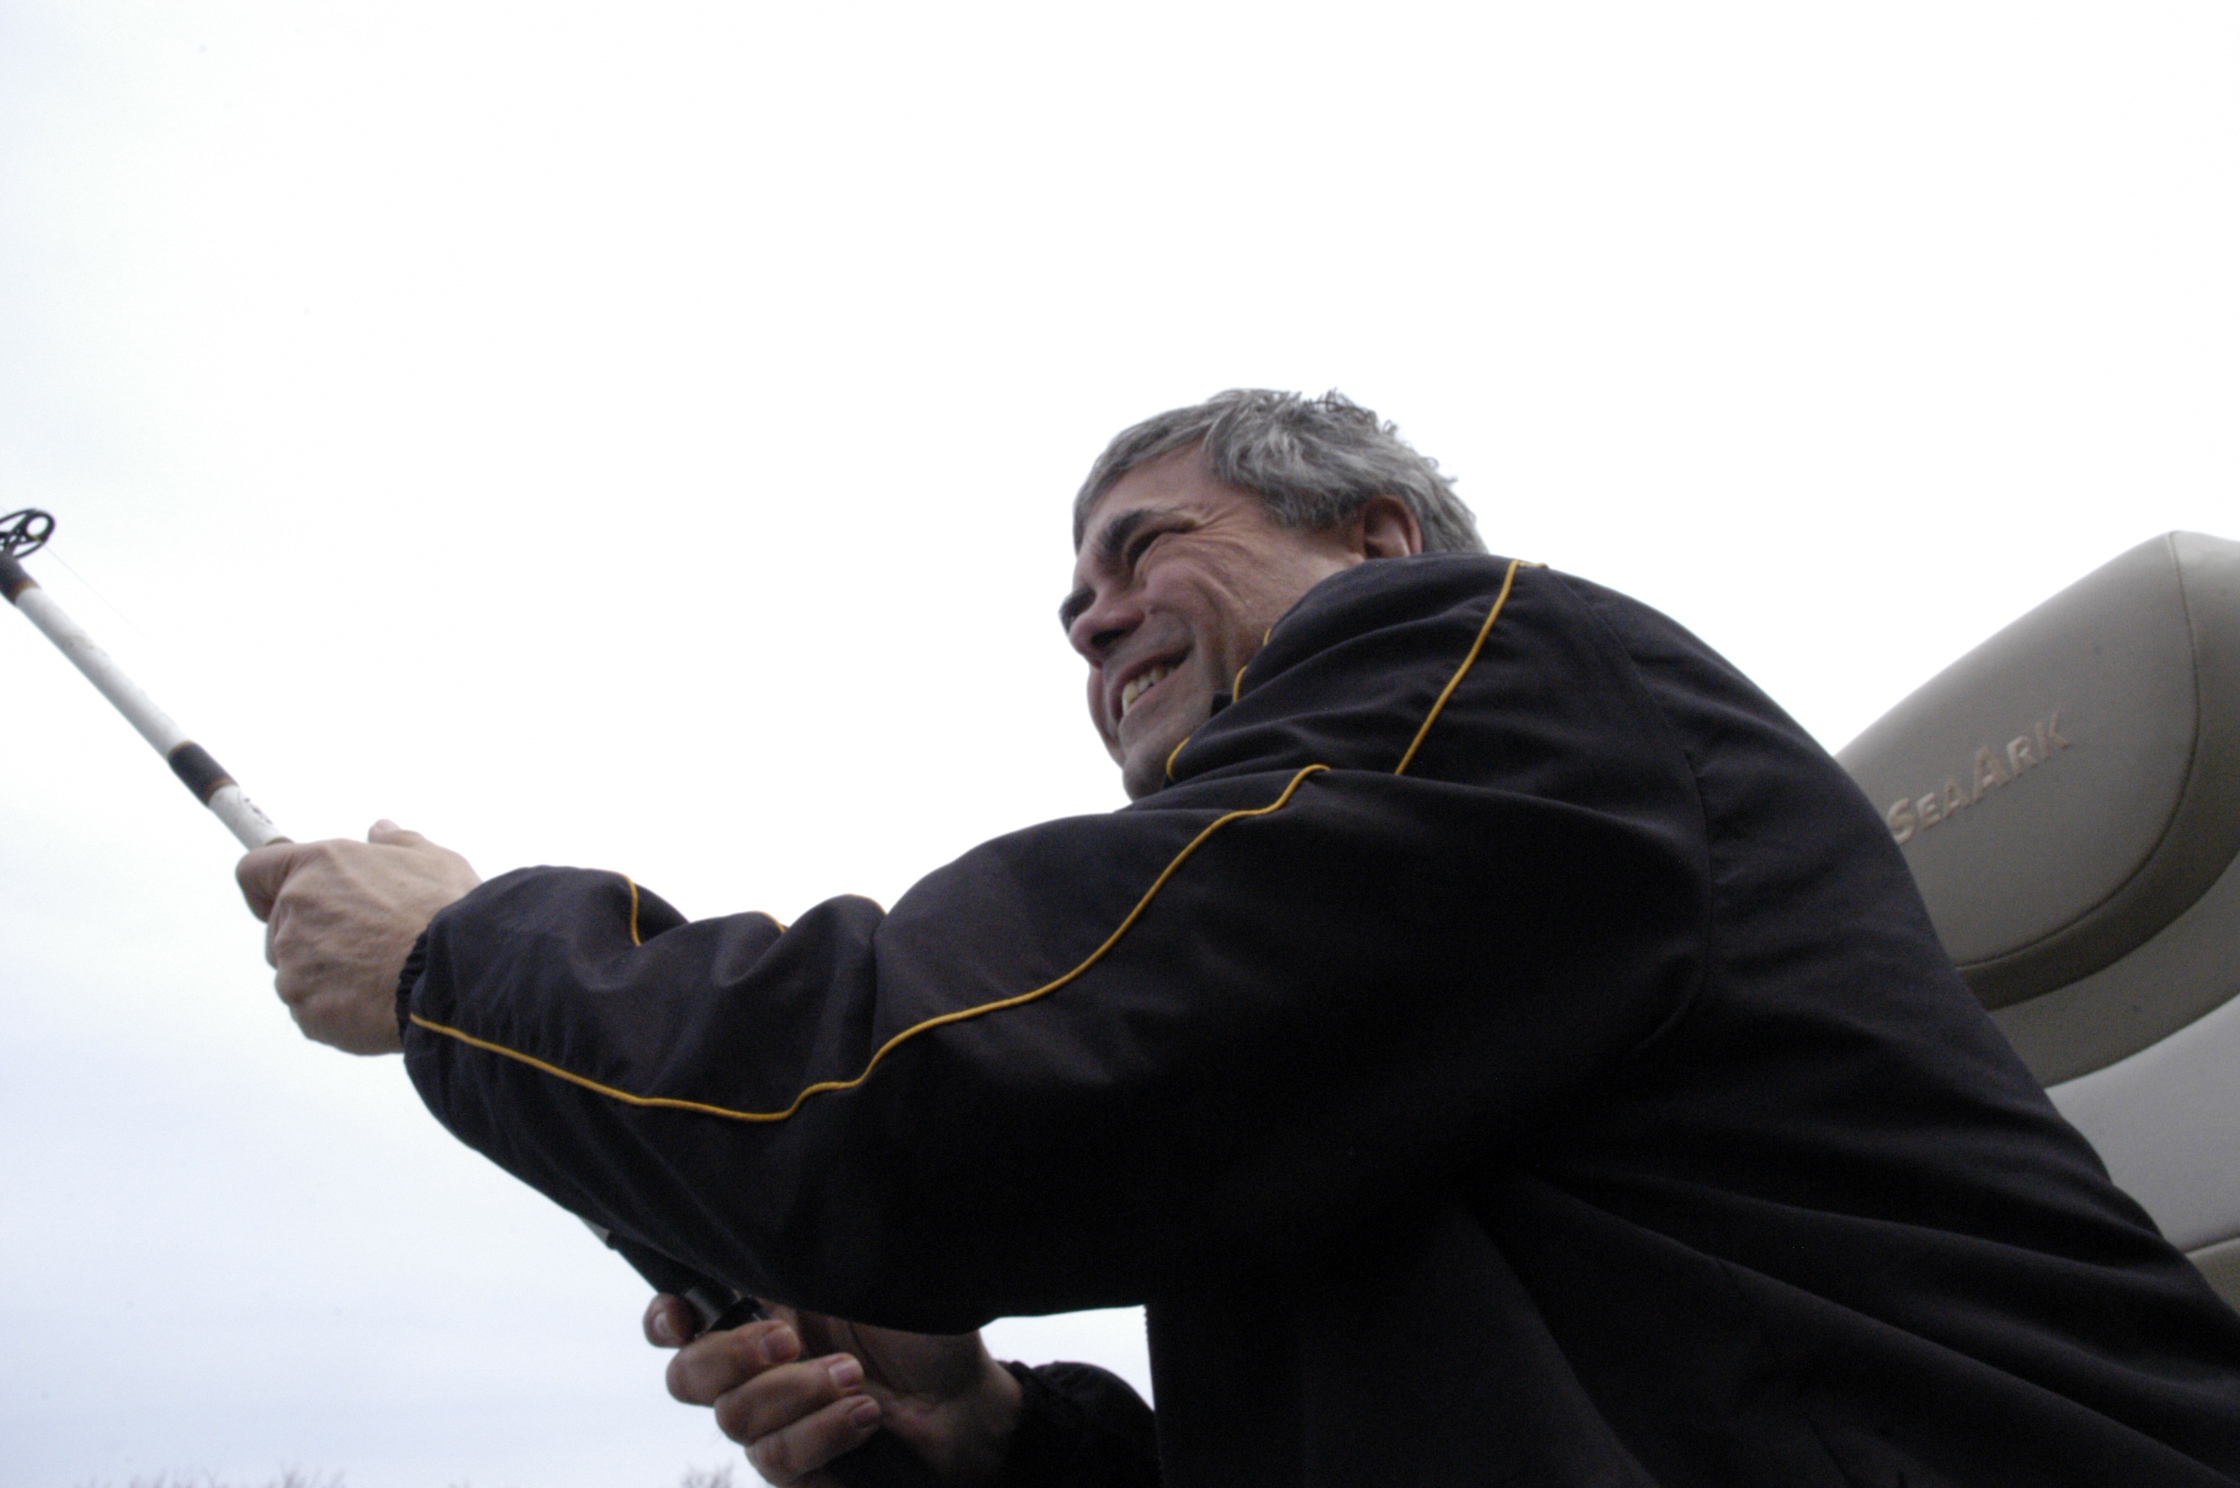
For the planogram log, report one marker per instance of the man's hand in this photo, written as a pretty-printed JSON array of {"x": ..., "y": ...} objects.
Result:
[
  {"x": 799, "y": 1390},
  {"x": 340, "y": 918}
]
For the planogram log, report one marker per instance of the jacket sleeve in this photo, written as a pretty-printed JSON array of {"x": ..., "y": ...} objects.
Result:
[{"x": 1090, "y": 1059}]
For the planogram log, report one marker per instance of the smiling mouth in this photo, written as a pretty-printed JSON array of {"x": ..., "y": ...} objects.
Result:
[{"x": 1143, "y": 682}]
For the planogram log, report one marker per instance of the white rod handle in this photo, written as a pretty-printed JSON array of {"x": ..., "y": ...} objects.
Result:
[{"x": 188, "y": 760}]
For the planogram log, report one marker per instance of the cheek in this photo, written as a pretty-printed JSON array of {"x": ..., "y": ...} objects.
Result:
[
  {"x": 1277, "y": 587},
  {"x": 1249, "y": 608},
  {"x": 1223, "y": 599}
]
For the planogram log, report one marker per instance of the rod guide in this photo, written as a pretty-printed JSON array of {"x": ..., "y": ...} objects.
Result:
[{"x": 25, "y": 531}]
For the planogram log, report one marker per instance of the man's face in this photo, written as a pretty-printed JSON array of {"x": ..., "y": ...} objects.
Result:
[{"x": 1178, "y": 579}]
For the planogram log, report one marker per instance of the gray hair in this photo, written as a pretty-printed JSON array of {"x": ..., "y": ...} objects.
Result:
[{"x": 1313, "y": 461}]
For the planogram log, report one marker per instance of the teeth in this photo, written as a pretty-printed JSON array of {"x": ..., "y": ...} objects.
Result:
[{"x": 1138, "y": 684}]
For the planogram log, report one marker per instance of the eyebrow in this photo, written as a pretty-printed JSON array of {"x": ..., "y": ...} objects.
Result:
[{"x": 1110, "y": 544}]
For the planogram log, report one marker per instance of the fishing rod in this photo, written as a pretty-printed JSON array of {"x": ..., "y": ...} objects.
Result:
[
  {"x": 27, "y": 531},
  {"x": 881, "y": 1462}
]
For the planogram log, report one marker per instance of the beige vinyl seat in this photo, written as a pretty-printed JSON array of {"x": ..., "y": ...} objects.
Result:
[{"x": 2068, "y": 797}]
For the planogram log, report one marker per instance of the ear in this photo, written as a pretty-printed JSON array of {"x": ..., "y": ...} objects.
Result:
[{"x": 1388, "y": 529}]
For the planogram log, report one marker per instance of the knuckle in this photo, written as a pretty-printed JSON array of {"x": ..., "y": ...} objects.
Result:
[
  {"x": 705, "y": 1370},
  {"x": 759, "y": 1413},
  {"x": 737, "y": 1418},
  {"x": 771, "y": 1402},
  {"x": 774, "y": 1457},
  {"x": 284, "y": 938},
  {"x": 751, "y": 1339},
  {"x": 682, "y": 1386}
]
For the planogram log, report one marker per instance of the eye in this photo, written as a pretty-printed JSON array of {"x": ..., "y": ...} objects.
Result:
[{"x": 1141, "y": 544}]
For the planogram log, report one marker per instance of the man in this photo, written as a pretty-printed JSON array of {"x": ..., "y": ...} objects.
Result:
[{"x": 1496, "y": 1044}]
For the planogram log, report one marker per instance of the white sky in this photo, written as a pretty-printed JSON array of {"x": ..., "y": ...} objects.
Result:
[{"x": 640, "y": 436}]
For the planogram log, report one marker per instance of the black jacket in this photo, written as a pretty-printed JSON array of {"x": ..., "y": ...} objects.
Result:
[{"x": 1587, "y": 1102}]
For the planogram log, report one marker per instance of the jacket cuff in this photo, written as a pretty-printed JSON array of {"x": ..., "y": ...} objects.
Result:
[
  {"x": 409, "y": 978},
  {"x": 1079, "y": 1427}
]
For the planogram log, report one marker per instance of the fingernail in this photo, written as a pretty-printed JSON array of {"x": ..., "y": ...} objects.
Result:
[
  {"x": 864, "y": 1412},
  {"x": 665, "y": 1330},
  {"x": 846, "y": 1373},
  {"x": 385, "y": 825},
  {"x": 779, "y": 1345}
]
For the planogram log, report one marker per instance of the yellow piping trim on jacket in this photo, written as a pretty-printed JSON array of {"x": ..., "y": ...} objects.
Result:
[
  {"x": 670, "y": 1103},
  {"x": 1234, "y": 688},
  {"x": 1455, "y": 681},
  {"x": 638, "y": 940}
]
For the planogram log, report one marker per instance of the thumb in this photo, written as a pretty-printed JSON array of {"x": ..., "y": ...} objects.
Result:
[
  {"x": 390, "y": 834},
  {"x": 263, "y": 871}
]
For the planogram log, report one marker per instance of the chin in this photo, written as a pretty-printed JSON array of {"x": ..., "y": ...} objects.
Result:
[
  {"x": 1139, "y": 783},
  {"x": 1144, "y": 768},
  {"x": 1143, "y": 761}
]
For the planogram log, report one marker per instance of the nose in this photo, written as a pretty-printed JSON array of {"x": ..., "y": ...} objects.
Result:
[{"x": 1108, "y": 620}]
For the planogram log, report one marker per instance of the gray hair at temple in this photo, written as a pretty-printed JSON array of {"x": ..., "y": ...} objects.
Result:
[{"x": 1314, "y": 461}]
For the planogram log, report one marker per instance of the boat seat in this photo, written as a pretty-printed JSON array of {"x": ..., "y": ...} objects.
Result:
[{"x": 2068, "y": 798}]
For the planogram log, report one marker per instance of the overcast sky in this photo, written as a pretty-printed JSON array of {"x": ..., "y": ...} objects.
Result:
[{"x": 640, "y": 436}]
